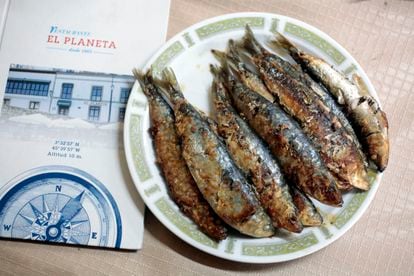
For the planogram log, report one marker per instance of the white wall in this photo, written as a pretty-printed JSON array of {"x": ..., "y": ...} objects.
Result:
[
  {"x": 81, "y": 94},
  {"x": 23, "y": 101}
]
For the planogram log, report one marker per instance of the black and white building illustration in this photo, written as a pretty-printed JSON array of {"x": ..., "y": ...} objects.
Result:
[{"x": 95, "y": 97}]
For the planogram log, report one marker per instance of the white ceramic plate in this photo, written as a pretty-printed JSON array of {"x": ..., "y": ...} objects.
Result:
[{"x": 188, "y": 53}]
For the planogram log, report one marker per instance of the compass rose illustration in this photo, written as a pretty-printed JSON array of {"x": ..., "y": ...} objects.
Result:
[
  {"x": 60, "y": 204},
  {"x": 56, "y": 224}
]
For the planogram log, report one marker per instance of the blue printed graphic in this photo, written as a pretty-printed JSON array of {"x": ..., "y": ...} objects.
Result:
[{"x": 60, "y": 204}]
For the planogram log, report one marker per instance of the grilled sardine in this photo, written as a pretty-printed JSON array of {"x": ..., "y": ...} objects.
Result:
[
  {"x": 308, "y": 214},
  {"x": 254, "y": 159},
  {"x": 336, "y": 148},
  {"x": 369, "y": 121},
  {"x": 297, "y": 157},
  {"x": 181, "y": 184},
  {"x": 217, "y": 176}
]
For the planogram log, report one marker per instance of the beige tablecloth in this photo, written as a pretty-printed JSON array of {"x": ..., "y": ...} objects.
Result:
[{"x": 380, "y": 35}]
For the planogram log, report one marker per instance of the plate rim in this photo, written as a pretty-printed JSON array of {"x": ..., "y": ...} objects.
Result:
[{"x": 173, "y": 228}]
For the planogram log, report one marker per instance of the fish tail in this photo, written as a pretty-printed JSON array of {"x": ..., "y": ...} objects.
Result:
[
  {"x": 219, "y": 85},
  {"x": 240, "y": 58},
  {"x": 170, "y": 85},
  {"x": 225, "y": 61},
  {"x": 219, "y": 55},
  {"x": 160, "y": 83},
  {"x": 223, "y": 74},
  {"x": 282, "y": 42},
  {"x": 234, "y": 52},
  {"x": 140, "y": 77},
  {"x": 230, "y": 63},
  {"x": 250, "y": 44},
  {"x": 236, "y": 56},
  {"x": 144, "y": 80},
  {"x": 217, "y": 72},
  {"x": 169, "y": 76},
  {"x": 223, "y": 58},
  {"x": 217, "y": 77}
]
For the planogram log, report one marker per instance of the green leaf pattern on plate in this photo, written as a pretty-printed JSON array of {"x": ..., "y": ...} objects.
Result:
[
  {"x": 138, "y": 104},
  {"x": 230, "y": 245},
  {"x": 228, "y": 24},
  {"x": 347, "y": 213},
  {"x": 135, "y": 130},
  {"x": 166, "y": 56},
  {"x": 190, "y": 229},
  {"x": 326, "y": 232},
  {"x": 151, "y": 190},
  {"x": 188, "y": 39},
  {"x": 273, "y": 26},
  {"x": 350, "y": 69},
  {"x": 316, "y": 40},
  {"x": 273, "y": 249}
]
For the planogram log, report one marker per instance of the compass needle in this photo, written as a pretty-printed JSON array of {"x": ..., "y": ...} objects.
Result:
[
  {"x": 56, "y": 209},
  {"x": 27, "y": 219},
  {"x": 45, "y": 206},
  {"x": 36, "y": 236},
  {"x": 36, "y": 212},
  {"x": 75, "y": 224},
  {"x": 73, "y": 207}
]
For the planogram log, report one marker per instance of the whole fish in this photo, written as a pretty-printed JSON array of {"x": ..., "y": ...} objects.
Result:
[
  {"x": 217, "y": 176},
  {"x": 369, "y": 121},
  {"x": 330, "y": 105},
  {"x": 253, "y": 81},
  {"x": 327, "y": 104},
  {"x": 297, "y": 73},
  {"x": 336, "y": 148},
  {"x": 299, "y": 160},
  {"x": 254, "y": 159},
  {"x": 181, "y": 184},
  {"x": 308, "y": 214}
]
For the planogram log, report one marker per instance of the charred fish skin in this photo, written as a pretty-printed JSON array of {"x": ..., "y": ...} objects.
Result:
[
  {"x": 335, "y": 147},
  {"x": 298, "y": 74},
  {"x": 369, "y": 121},
  {"x": 254, "y": 159},
  {"x": 333, "y": 107},
  {"x": 216, "y": 175},
  {"x": 327, "y": 104},
  {"x": 308, "y": 214},
  {"x": 377, "y": 141},
  {"x": 181, "y": 184},
  {"x": 297, "y": 157}
]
